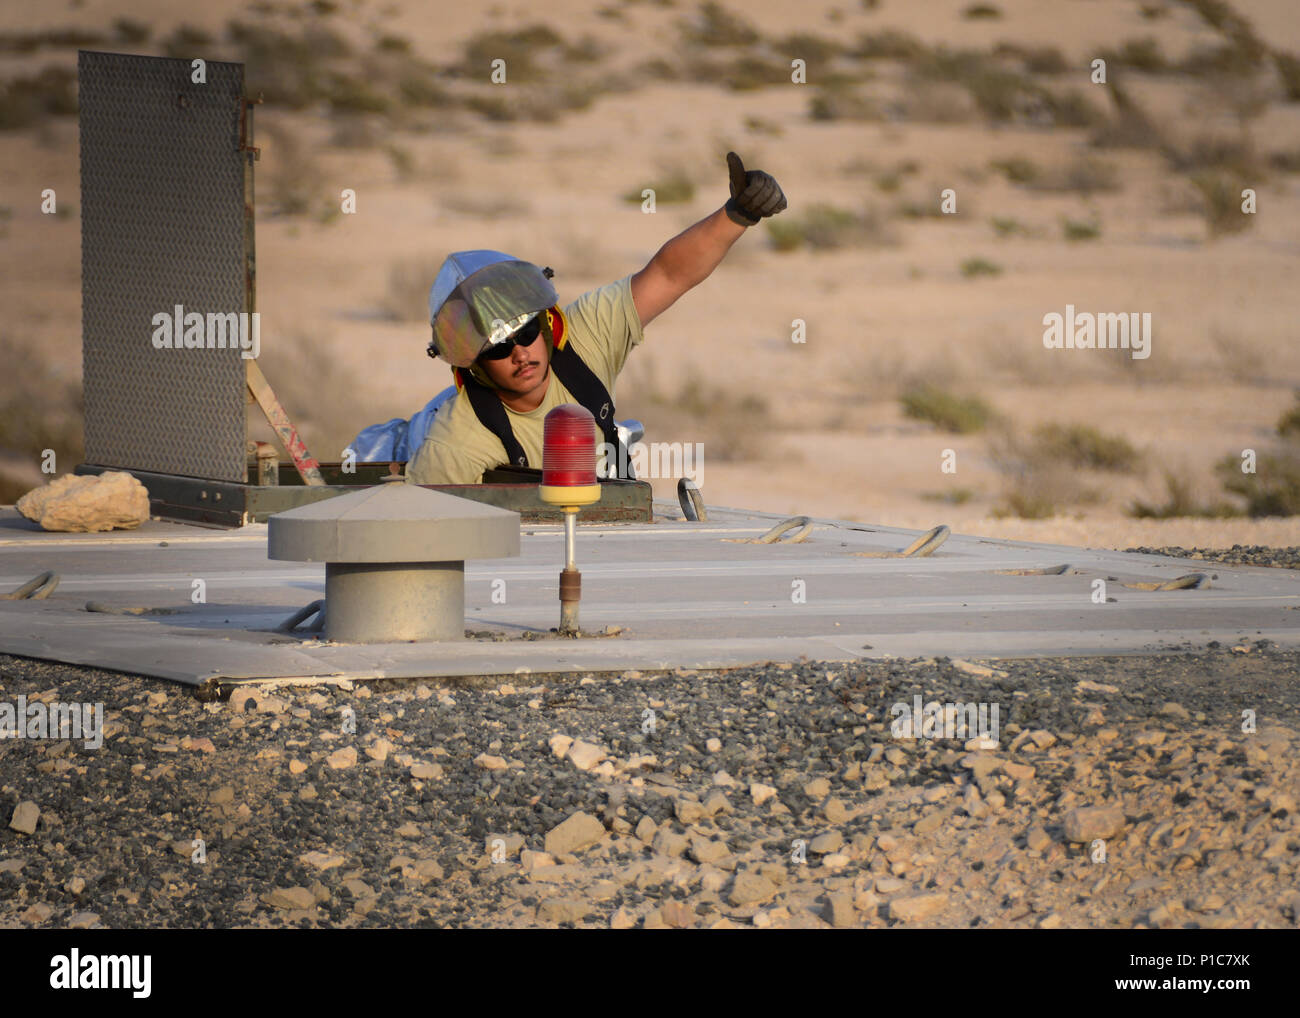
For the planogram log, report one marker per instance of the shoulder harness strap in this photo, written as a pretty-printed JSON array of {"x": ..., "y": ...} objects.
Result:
[
  {"x": 589, "y": 390},
  {"x": 491, "y": 413}
]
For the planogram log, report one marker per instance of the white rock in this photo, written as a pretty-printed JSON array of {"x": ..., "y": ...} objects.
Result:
[
  {"x": 24, "y": 818},
  {"x": 760, "y": 792},
  {"x": 342, "y": 759},
  {"x": 321, "y": 860},
  {"x": 585, "y": 756},
  {"x": 379, "y": 750},
  {"x": 560, "y": 745},
  {"x": 579, "y": 831},
  {"x": 531, "y": 860},
  {"x": 88, "y": 504}
]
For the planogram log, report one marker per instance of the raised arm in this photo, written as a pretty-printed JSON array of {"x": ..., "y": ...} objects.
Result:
[{"x": 689, "y": 258}]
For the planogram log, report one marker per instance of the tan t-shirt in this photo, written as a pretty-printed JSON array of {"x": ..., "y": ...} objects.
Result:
[{"x": 603, "y": 329}]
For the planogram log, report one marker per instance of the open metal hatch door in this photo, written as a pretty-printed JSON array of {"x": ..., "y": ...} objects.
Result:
[{"x": 166, "y": 220}]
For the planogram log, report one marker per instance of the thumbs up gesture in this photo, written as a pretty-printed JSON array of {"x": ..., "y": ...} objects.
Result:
[{"x": 755, "y": 195}]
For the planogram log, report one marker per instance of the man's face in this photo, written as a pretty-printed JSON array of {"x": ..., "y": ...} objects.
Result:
[{"x": 523, "y": 372}]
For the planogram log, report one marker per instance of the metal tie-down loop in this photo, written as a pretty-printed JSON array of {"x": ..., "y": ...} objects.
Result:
[
  {"x": 36, "y": 589},
  {"x": 773, "y": 535},
  {"x": 926, "y": 543},
  {"x": 922, "y": 547},
  {"x": 692, "y": 501},
  {"x": 316, "y": 608}
]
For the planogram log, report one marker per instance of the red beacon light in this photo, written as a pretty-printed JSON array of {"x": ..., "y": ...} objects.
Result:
[
  {"x": 569, "y": 481},
  {"x": 569, "y": 458}
]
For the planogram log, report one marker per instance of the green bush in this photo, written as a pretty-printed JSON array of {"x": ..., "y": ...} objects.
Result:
[
  {"x": 826, "y": 227},
  {"x": 890, "y": 44},
  {"x": 960, "y": 415},
  {"x": 1221, "y": 203},
  {"x": 1181, "y": 502},
  {"x": 973, "y": 267},
  {"x": 1078, "y": 229},
  {"x": 672, "y": 188},
  {"x": 717, "y": 26},
  {"x": 26, "y": 101},
  {"x": 1083, "y": 446},
  {"x": 1288, "y": 69},
  {"x": 1017, "y": 169}
]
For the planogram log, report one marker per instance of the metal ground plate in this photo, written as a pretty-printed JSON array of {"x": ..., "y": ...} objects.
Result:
[{"x": 688, "y": 595}]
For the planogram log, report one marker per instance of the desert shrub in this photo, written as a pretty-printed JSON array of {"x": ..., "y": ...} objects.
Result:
[
  {"x": 957, "y": 496},
  {"x": 741, "y": 73},
  {"x": 28, "y": 100},
  {"x": 673, "y": 187},
  {"x": 131, "y": 32},
  {"x": 888, "y": 45},
  {"x": 1035, "y": 484},
  {"x": 406, "y": 298},
  {"x": 1130, "y": 126},
  {"x": 1140, "y": 54},
  {"x": 1034, "y": 59},
  {"x": 1221, "y": 202},
  {"x": 840, "y": 102},
  {"x": 1181, "y": 501},
  {"x": 973, "y": 267},
  {"x": 1084, "y": 175},
  {"x": 1001, "y": 93},
  {"x": 1288, "y": 424},
  {"x": 947, "y": 411},
  {"x": 1274, "y": 488},
  {"x": 1288, "y": 70},
  {"x": 827, "y": 227},
  {"x": 40, "y": 408},
  {"x": 731, "y": 427},
  {"x": 806, "y": 46},
  {"x": 1083, "y": 446},
  {"x": 1234, "y": 153},
  {"x": 1017, "y": 169},
  {"x": 716, "y": 26},
  {"x": 519, "y": 48},
  {"x": 57, "y": 38},
  {"x": 290, "y": 179},
  {"x": 187, "y": 42},
  {"x": 1080, "y": 229}
]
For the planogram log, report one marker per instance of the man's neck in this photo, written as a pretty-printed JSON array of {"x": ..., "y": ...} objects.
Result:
[{"x": 523, "y": 403}]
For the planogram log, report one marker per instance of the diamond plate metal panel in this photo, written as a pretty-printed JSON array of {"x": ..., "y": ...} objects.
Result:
[{"x": 162, "y": 224}]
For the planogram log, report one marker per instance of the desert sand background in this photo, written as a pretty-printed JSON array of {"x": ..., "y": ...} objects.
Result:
[{"x": 1114, "y": 197}]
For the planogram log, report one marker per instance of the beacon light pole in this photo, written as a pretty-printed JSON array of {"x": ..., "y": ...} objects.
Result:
[{"x": 569, "y": 481}]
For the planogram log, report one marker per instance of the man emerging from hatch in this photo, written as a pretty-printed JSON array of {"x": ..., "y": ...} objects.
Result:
[{"x": 516, "y": 355}]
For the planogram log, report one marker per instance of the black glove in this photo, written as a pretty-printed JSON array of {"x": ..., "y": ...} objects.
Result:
[{"x": 754, "y": 194}]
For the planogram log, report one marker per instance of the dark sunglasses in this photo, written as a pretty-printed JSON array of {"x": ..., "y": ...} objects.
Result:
[{"x": 524, "y": 337}]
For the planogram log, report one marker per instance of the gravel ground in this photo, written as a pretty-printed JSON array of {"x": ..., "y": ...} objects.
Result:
[
  {"x": 1121, "y": 792},
  {"x": 1237, "y": 555}
]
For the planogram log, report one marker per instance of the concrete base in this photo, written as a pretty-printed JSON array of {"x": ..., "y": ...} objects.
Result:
[{"x": 390, "y": 602}]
